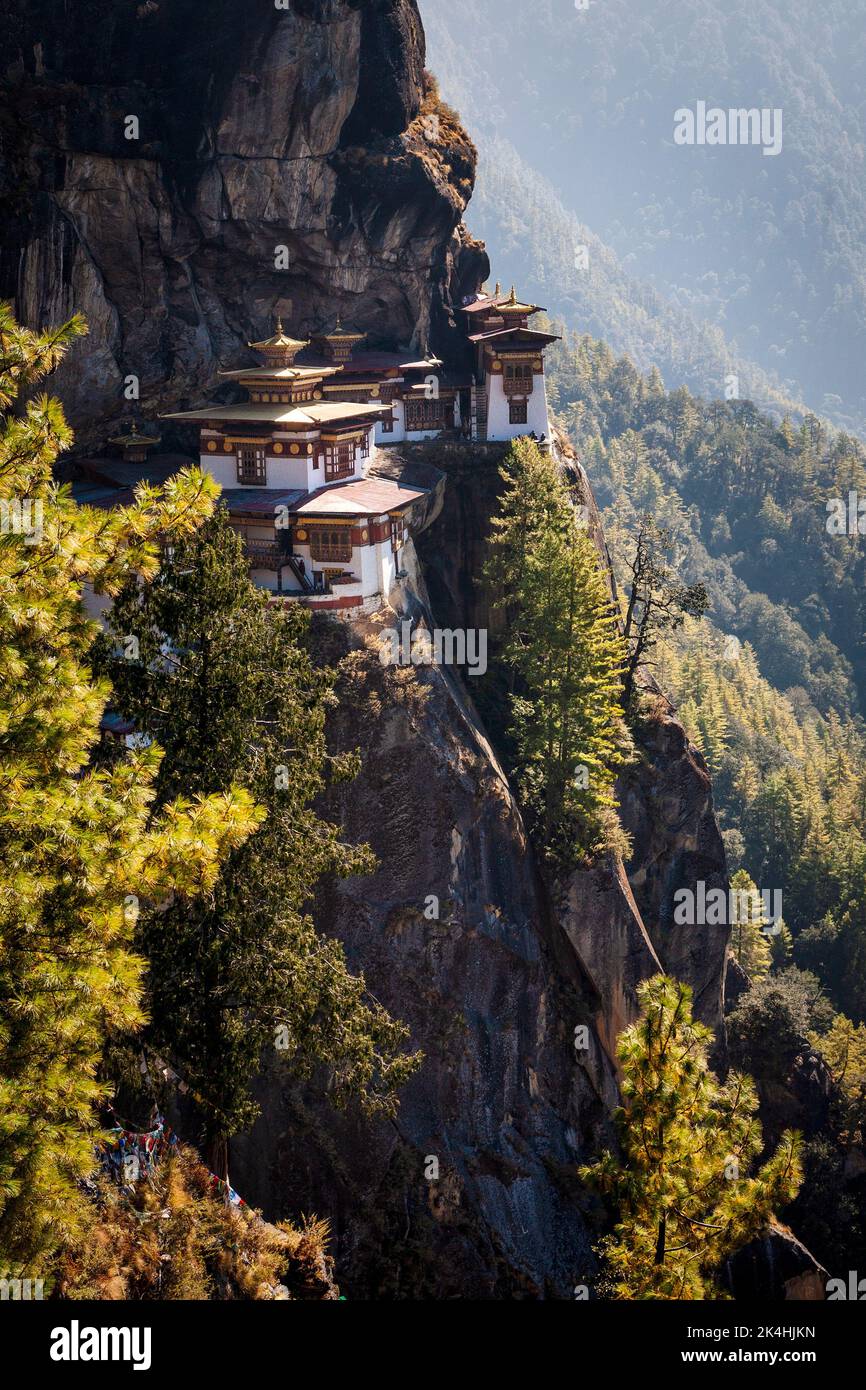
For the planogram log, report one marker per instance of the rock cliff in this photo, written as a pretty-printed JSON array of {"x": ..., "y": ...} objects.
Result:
[
  {"x": 179, "y": 173},
  {"x": 472, "y": 1192}
]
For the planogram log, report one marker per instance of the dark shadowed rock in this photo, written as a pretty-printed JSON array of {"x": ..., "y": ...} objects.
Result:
[
  {"x": 776, "y": 1268},
  {"x": 667, "y": 807},
  {"x": 493, "y": 990},
  {"x": 258, "y": 128}
]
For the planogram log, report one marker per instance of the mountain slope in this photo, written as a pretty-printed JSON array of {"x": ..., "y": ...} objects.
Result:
[{"x": 769, "y": 250}]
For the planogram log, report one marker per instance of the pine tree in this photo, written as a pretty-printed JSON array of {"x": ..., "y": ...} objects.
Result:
[
  {"x": 227, "y": 685},
  {"x": 564, "y": 649},
  {"x": 689, "y": 1142},
  {"x": 79, "y": 847},
  {"x": 749, "y": 943},
  {"x": 843, "y": 1048}
]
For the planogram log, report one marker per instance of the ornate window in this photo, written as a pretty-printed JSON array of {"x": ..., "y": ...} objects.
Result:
[
  {"x": 339, "y": 460},
  {"x": 426, "y": 415},
  {"x": 518, "y": 379},
  {"x": 252, "y": 467},
  {"x": 331, "y": 543},
  {"x": 517, "y": 412}
]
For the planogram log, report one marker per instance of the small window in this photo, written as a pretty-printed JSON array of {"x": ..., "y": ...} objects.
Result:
[
  {"x": 398, "y": 532},
  {"x": 339, "y": 460},
  {"x": 517, "y": 412},
  {"x": 251, "y": 465},
  {"x": 388, "y": 425}
]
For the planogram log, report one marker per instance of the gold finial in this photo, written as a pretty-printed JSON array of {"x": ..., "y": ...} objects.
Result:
[
  {"x": 279, "y": 324},
  {"x": 134, "y": 428},
  {"x": 513, "y": 299},
  {"x": 498, "y": 288}
]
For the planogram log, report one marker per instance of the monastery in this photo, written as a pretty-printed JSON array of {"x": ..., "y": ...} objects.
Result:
[{"x": 296, "y": 459}]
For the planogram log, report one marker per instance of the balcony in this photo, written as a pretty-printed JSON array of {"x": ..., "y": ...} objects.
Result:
[{"x": 266, "y": 555}]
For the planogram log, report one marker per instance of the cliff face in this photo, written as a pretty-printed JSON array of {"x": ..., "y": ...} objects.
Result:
[
  {"x": 296, "y": 137},
  {"x": 473, "y": 1191}
]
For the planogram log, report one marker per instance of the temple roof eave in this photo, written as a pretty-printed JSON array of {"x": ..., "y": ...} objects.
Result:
[
  {"x": 318, "y": 413},
  {"x": 299, "y": 373},
  {"x": 526, "y": 336}
]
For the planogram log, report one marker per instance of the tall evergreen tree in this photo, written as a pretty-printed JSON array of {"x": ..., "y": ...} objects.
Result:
[
  {"x": 564, "y": 649},
  {"x": 226, "y": 683},
  {"x": 78, "y": 847},
  {"x": 689, "y": 1142},
  {"x": 748, "y": 940}
]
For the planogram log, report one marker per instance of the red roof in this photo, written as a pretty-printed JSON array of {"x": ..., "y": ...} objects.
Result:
[
  {"x": 362, "y": 498},
  {"x": 519, "y": 335}
]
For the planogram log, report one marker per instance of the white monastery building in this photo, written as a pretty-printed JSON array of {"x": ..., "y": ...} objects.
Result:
[{"x": 294, "y": 459}]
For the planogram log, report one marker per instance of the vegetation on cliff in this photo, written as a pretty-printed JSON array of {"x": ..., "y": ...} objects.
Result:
[
  {"x": 769, "y": 688},
  {"x": 173, "y": 1237},
  {"x": 79, "y": 847},
  {"x": 686, "y": 1186},
  {"x": 226, "y": 684},
  {"x": 565, "y": 656}
]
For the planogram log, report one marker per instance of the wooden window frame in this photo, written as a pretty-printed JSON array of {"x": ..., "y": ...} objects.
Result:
[
  {"x": 258, "y": 476},
  {"x": 399, "y": 533},
  {"x": 331, "y": 544},
  {"x": 340, "y": 460},
  {"x": 425, "y": 415}
]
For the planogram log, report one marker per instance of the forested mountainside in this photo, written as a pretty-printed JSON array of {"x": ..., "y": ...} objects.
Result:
[
  {"x": 754, "y": 506},
  {"x": 766, "y": 251},
  {"x": 769, "y": 686}
]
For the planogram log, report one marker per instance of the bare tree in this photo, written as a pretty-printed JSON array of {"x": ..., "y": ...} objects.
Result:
[{"x": 658, "y": 600}]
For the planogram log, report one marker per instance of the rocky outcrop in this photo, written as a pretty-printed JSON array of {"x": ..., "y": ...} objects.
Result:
[
  {"x": 282, "y": 160},
  {"x": 515, "y": 1001},
  {"x": 666, "y": 801},
  {"x": 776, "y": 1268},
  {"x": 666, "y": 805},
  {"x": 515, "y": 991}
]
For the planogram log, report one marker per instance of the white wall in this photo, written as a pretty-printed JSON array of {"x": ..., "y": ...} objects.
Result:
[
  {"x": 499, "y": 425},
  {"x": 398, "y": 434},
  {"x": 285, "y": 472}
]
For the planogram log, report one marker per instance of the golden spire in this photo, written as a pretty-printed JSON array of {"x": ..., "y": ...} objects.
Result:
[
  {"x": 513, "y": 299},
  {"x": 498, "y": 288}
]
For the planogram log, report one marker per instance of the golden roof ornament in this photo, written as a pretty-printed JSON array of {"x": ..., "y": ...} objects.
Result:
[
  {"x": 135, "y": 445},
  {"x": 514, "y": 306},
  {"x": 280, "y": 349}
]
